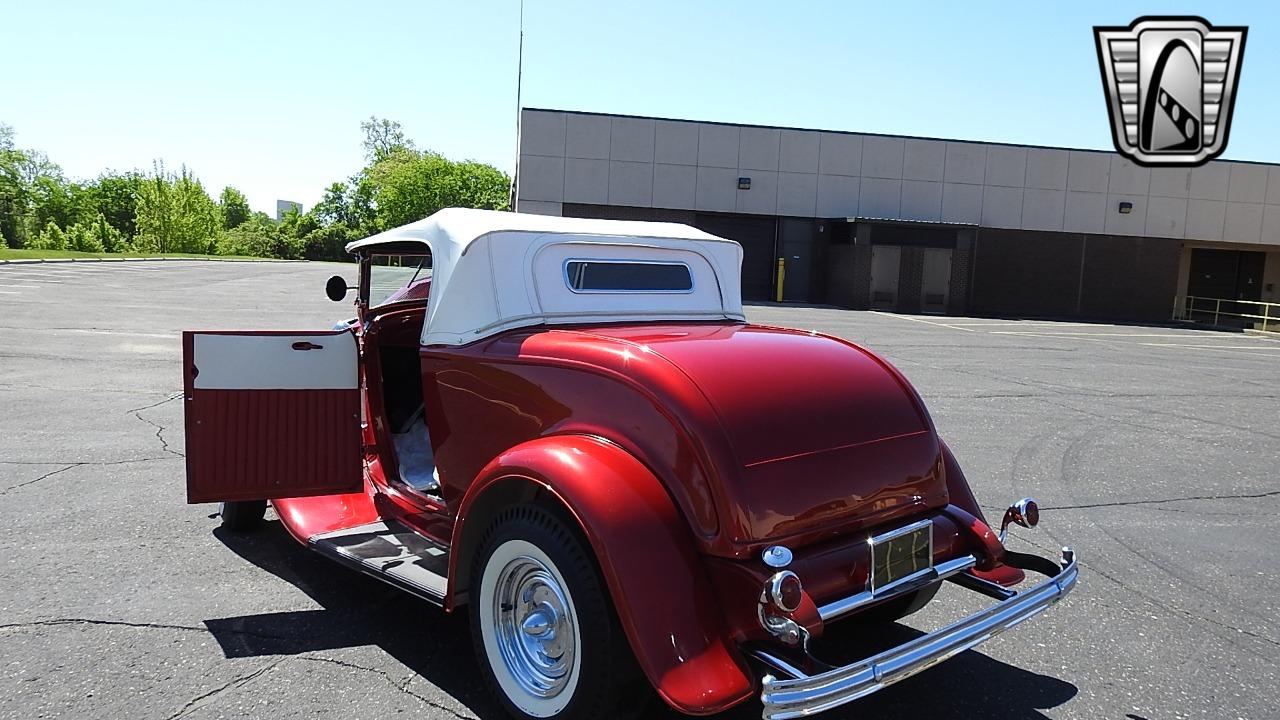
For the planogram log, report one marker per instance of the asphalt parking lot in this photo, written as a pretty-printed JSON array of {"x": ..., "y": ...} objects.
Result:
[{"x": 1152, "y": 451}]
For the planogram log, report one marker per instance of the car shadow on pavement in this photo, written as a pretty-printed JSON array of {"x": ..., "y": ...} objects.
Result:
[{"x": 357, "y": 610}]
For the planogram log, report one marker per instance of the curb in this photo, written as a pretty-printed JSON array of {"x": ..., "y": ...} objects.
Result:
[{"x": 33, "y": 261}]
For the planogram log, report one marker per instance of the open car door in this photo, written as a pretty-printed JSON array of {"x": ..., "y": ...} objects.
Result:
[{"x": 271, "y": 414}]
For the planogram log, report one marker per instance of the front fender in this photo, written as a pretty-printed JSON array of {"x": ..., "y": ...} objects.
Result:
[{"x": 646, "y": 552}]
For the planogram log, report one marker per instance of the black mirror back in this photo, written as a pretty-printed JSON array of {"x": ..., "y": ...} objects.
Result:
[{"x": 336, "y": 288}]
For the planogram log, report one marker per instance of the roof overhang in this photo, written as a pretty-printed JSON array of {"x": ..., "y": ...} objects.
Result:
[{"x": 910, "y": 223}]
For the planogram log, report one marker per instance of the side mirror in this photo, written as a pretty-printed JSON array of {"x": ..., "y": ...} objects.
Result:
[{"x": 336, "y": 288}]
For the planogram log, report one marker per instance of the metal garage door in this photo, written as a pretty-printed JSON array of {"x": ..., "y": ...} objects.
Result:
[
  {"x": 757, "y": 236},
  {"x": 885, "y": 262}
]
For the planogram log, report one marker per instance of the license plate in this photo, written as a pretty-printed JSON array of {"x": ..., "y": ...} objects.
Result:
[{"x": 900, "y": 553}]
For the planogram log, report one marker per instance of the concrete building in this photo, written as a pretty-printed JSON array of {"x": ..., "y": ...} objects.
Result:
[
  {"x": 918, "y": 224},
  {"x": 283, "y": 207}
]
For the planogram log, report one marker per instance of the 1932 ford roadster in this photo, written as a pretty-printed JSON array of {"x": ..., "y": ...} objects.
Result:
[{"x": 567, "y": 426}]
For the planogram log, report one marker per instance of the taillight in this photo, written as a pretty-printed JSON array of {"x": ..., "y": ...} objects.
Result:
[{"x": 785, "y": 591}]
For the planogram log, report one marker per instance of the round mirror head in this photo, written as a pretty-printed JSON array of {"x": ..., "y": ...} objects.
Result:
[{"x": 336, "y": 288}]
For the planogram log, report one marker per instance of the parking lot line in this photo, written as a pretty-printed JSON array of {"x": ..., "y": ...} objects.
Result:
[
  {"x": 24, "y": 274},
  {"x": 96, "y": 331},
  {"x": 1084, "y": 334},
  {"x": 1220, "y": 347},
  {"x": 1103, "y": 338},
  {"x": 1028, "y": 324},
  {"x": 920, "y": 320}
]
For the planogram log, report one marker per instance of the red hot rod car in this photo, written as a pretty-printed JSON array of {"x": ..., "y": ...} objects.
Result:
[{"x": 568, "y": 426}]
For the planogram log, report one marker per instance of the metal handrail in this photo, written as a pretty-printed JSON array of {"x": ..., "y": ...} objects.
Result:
[{"x": 1184, "y": 306}]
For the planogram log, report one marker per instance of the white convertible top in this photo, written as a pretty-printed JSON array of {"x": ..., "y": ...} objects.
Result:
[{"x": 493, "y": 271}]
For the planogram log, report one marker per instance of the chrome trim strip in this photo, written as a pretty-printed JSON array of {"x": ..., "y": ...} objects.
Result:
[
  {"x": 846, "y": 605},
  {"x": 899, "y": 532},
  {"x": 803, "y": 696}
]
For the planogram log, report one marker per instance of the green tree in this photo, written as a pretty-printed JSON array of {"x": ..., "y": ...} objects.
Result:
[
  {"x": 175, "y": 214},
  {"x": 4, "y": 244},
  {"x": 235, "y": 208},
  {"x": 335, "y": 206},
  {"x": 111, "y": 239},
  {"x": 50, "y": 238},
  {"x": 383, "y": 138},
  {"x": 26, "y": 176},
  {"x": 115, "y": 197},
  {"x": 58, "y": 201},
  {"x": 259, "y": 236},
  {"x": 329, "y": 242},
  {"x": 411, "y": 186},
  {"x": 83, "y": 237}
]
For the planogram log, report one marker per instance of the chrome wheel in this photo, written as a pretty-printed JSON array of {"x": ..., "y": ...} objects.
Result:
[{"x": 529, "y": 628}]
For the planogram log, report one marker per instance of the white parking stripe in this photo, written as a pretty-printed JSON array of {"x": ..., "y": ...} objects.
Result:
[
  {"x": 1263, "y": 348},
  {"x": 94, "y": 331},
  {"x": 1045, "y": 333},
  {"x": 920, "y": 320},
  {"x": 1028, "y": 324},
  {"x": 22, "y": 287},
  {"x": 42, "y": 273}
]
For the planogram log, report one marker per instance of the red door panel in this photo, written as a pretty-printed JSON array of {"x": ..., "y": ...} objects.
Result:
[{"x": 271, "y": 414}]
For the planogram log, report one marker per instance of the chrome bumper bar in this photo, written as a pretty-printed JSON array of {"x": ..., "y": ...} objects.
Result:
[
  {"x": 802, "y": 695},
  {"x": 844, "y": 606}
]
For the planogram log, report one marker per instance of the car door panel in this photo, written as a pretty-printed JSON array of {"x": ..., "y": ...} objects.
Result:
[{"x": 271, "y": 414}]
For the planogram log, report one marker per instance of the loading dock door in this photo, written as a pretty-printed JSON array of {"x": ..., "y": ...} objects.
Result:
[
  {"x": 799, "y": 242},
  {"x": 1226, "y": 274},
  {"x": 885, "y": 262},
  {"x": 935, "y": 286},
  {"x": 757, "y": 237}
]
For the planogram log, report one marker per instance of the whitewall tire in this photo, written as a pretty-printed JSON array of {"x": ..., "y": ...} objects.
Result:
[{"x": 546, "y": 635}]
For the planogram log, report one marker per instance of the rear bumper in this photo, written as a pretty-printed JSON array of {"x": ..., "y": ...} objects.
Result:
[{"x": 802, "y": 695}]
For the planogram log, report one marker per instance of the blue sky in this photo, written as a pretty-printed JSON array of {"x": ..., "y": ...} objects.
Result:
[{"x": 268, "y": 96}]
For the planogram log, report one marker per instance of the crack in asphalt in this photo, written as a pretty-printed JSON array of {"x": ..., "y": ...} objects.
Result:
[
  {"x": 1187, "y": 613},
  {"x": 164, "y": 444},
  {"x": 241, "y": 679},
  {"x": 81, "y": 462},
  {"x": 158, "y": 403},
  {"x": 54, "y": 622},
  {"x": 50, "y": 474},
  {"x": 1161, "y": 501},
  {"x": 404, "y": 688},
  {"x": 1154, "y": 601},
  {"x": 68, "y": 466},
  {"x": 230, "y": 685}
]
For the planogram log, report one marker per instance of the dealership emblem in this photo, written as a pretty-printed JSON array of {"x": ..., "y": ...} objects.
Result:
[{"x": 1170, "y": 84}]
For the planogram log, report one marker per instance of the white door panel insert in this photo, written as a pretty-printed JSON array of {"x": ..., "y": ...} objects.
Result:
[{"x": 310, "y": 361}]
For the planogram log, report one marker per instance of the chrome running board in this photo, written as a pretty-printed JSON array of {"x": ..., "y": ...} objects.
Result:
[{"x": 391, "y": 552}]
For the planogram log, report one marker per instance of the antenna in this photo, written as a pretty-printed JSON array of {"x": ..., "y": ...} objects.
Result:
[{"x": 515, "y": 178}]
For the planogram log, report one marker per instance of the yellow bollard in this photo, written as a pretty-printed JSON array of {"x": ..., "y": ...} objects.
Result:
[{"x": 782, "y": 275}]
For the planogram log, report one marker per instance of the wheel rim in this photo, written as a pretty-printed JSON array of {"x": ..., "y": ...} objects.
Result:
[{"x": 533, "y": 626}]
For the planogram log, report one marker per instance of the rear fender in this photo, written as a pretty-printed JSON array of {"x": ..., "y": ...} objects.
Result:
[
  {"x": 645, "y": 551},
  {"x": 957, "y": 486},
  {"x": 964, "y": 510}
]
